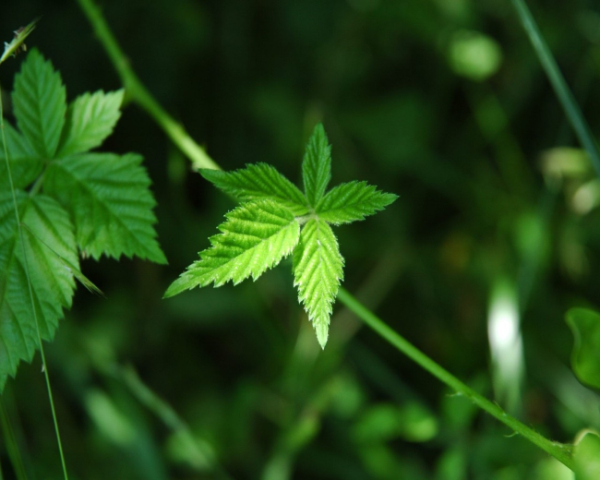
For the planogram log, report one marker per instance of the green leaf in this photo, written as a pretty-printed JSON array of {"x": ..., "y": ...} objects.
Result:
[
  {"x": 585, "y": 360},
  {"x": 109, "y": 198},
  {"x": 255, "y": 237},
  {"x": 74, "y": 269},
  {"x": 352, "y": 201},
  {"x": 256, "y": 182},
  {"x": 52, "y": 283},
  {"x": 587, "y": 456},
  {"x": 39, "y": 102},
  {"x": 90, "y": 119},
  {"x": 25, "y": 164},
  {"x": 316, "y": 166},
  {"x": 318, "y": 270}
]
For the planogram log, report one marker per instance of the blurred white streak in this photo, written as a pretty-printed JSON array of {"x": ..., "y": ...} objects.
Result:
[{"x": 506, "y": 345}]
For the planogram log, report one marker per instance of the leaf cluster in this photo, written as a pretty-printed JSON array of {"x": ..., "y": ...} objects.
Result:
[
  {"x": 69, "y": 201},
  {"x": 276, "y": 219}
]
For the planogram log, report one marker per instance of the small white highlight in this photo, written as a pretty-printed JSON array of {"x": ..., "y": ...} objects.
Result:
[
  {"x": 506, "y": 345},
  {"x": 503, "y": 324}
]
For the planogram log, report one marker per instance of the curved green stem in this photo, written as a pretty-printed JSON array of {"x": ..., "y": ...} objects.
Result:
[
  {"x": 559, "y": 451},
  {"x": 30, "y": 290},
  {"x": 140, "y": 95},
  {"x": 561, "y": 89},
  {"x": 199, "y": 450},
  {"x": 200, "y": 159}
]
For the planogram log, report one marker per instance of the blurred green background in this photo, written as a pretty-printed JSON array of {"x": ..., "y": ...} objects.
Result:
[{"x": 494, "y": 237}]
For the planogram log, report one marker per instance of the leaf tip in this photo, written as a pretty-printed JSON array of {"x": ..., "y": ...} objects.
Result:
[
  {"x": 392, "y": 197},
  {"x": 322, "y": 334},
  {"x": 174, "y": 289},
  {"x": 159, "y": 257}
]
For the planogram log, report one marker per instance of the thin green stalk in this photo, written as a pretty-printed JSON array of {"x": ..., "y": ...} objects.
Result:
[
  {"x": 559, "y": 451},
  {"x": 566, "y": 98},
  {"x": 202, "y": 452},
  {"x": 138, "y": 92},
  {"x": 12, "y": 447},
  {"x": 30, "y": 289}
]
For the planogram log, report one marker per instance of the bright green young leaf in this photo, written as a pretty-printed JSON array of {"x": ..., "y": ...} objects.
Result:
[
  {"x": 109, "y": 198},
  {"x": 255, "y": 237},
  {"x": 587, "y": 456},
  {"x": 25, "y": 165},
  {"x": 90, "y": 119},
  {"x": 52, "y": 282},
  {"x": 585, "y": 360},
  {"x": 256, "y": 182},
  {"x": 39, "y": 103},
  {"x": 316, "y": 165},
  {"x": 247, "y": 248},
  {"x": 352, "y": 201},
  {"x": 318, "y": 270}
]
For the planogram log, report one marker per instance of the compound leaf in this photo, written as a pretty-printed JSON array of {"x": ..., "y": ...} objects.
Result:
[
  {"x": 52, "y": 283},
  {"x": 100, "y": 203},
  {"x": 318, "y": 270},
  {"x": 40, "y": 104},
  {"x": 109, "y": 198},
  {"x": 256, "y": 182},
  {"x": 90, "y": 119},
  {"x": 255, "y": 237},
  {"x": 352, "y": 201},
  {"x": 316, "y": 165}
]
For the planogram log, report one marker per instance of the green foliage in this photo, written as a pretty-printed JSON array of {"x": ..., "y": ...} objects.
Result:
[
  {"x": 110, "y": 202},
  {"x": 351, "y": 202},
  {"x": 48, "y": 238},
  {"x": 94, "y": 203},
  {"x": 585, "y": 325},
  {"x": 276, "y": 219},
  {"x": 25, "y": 164},
  {"x": 464, "y": 154},
  {"x": 318, "y": 271},
  {"x": 316, "y": 166},
  {"x": 40, "y": 104},
  {"x": 587, "y": 456},
  {"x": 90, "y": 119},
  {"x": 256, "y": 182},
  {"x": 255, "y": 237}
]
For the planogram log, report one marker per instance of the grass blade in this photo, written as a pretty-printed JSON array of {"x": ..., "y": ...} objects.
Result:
[{"x": 566, "y": 98}]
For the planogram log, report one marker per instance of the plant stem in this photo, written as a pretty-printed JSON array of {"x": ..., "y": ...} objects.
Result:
[
  {"x": 559, "y": 451},
  {"x": 200, "y": 159},
  {"x": 30, "y": 290},
  {"x": 561, "y": 89},
  {"x": 199, "y": 450},
  {"x": 140, "y": 95}
]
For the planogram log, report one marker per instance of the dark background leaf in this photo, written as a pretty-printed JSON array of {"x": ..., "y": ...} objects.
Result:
[{"x": 585, "y": 360}]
